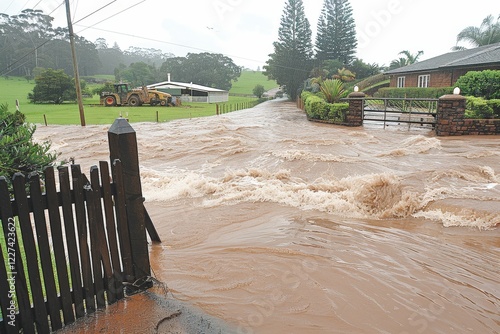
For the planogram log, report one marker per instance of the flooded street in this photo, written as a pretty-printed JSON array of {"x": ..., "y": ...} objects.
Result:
[{"x": 278, "y": 225}]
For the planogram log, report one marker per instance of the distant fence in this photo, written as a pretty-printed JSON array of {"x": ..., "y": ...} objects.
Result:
[
  {"x": 67, "y": 253},
  {"x": 225, "y": 108}
]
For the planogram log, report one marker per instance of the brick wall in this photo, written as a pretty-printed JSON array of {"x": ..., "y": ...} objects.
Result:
[
  {"x": 437, "y": 79},
  {"x": 441, "y": 79},
  {"x": 446, "y": 78},
  {"x": 451, "y": 121}
]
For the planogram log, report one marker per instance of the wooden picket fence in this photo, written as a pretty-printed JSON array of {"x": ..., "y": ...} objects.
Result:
[{"x": 69, "y": 251}]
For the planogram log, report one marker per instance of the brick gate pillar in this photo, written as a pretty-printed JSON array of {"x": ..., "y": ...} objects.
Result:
[
  {"x": 450, "y": 115},
  {"x": 354, "y": 116}
]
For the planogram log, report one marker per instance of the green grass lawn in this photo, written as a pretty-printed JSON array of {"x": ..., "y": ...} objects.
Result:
[
  {"x": 68, "y": 113},
  {"x": 248, "y": 80}
]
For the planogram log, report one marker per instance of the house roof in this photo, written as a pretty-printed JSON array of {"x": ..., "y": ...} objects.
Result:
[
  {"x": 483, "y": 55},
  {"x": 184, "y": 85}
]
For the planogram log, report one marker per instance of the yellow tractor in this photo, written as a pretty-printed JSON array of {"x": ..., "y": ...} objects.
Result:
[{"x": 125, "y": 96}]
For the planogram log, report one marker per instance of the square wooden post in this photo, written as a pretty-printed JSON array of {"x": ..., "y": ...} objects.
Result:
[{"x": 123, "y": 146}]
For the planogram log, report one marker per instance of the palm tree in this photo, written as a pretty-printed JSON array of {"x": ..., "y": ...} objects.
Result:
[
  {"x": 344, "y": 75},
  {"x": 408, "y": 59},
  {"x": 487, "y": 33},
  {"x": 397, "y": 63},
  {"x": 411, "y": 58}
]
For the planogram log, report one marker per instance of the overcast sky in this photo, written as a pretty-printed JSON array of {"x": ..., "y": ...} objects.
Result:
[{"x": 245, "y": 29}]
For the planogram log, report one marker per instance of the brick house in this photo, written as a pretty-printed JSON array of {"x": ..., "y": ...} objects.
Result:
[{"x": 444, "y": 70}]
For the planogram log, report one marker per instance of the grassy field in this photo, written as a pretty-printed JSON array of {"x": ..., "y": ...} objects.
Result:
[
  {"x": 68, "y": 113},
  {"x": 248, "y": 80}
]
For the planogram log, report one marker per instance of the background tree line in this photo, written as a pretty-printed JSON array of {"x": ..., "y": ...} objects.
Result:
[
  {"x": 31, "y": 47},
  {"x": 29, "y": 40}
]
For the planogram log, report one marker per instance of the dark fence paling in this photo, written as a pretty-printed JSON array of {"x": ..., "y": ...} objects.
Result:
[{"x": 82, "y": 244}]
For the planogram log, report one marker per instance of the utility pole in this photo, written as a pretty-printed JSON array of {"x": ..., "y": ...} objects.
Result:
[{"x": 75, "y": 65}]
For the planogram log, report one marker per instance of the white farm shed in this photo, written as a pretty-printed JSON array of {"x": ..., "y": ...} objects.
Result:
[{"x": 190, "y": 92}]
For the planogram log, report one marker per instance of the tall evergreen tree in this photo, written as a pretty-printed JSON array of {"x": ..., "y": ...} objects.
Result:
[
  {"x": 336, "y": 38},
  {"x": 291, "y": 63}
]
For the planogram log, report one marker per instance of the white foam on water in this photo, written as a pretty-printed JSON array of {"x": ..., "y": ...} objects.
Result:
[
  {"x": 414, "y": 145},
  {"x": 372, "y": 196},
  {"x": 291, "y": 155},
  {"x": 464, "y": 218}
]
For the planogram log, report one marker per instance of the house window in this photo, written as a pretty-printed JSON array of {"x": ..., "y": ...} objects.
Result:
[
  {"x": 423, "y": 80},
  {"x": 401, "y": 82}
]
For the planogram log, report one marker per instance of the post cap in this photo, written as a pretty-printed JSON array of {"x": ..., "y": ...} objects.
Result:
[
  {"x": 121, "y": 126},
  {"x": 356, "y": 95}
]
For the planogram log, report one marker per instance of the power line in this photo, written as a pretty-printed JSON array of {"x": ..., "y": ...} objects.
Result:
[
  {"x": 93, "y": 26},
  {"x": 29, "y": 34},
  {"x": 37, "y": 4},
  {"x": 185, "y": 46},
  {"x": 24, "y": 6},
  {"x": 39, "y": 46},
  {"x": 135, "y": 36},
  {"x": 18, "y": 60},
  {"x": 76, "y": 7},
  {"x": 10, "y": 4},
  {"x": 138, "y": 3},
  {"x": 83, "y": 18},
  {"x": 62, "y": 3}
]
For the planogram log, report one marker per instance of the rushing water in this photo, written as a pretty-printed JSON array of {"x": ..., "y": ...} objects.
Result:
[{"x": 278, "y": 225}]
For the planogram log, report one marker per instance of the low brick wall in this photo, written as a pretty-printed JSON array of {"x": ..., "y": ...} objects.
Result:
[
  {"x": 451, "y": 119},
  {"x": 478, "y": 127}
]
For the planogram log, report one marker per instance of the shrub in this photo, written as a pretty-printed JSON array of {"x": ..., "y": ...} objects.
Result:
[
  {"x": 495, "y": 105},
  {"x": 317, "y": 108},
  {"x": 477, "y": 107},
  {"x": 53, "y": 86},
  {"x": 484, "y": 84},
  {"x": 18, "y": 152},
  {"x": 413, "y": 92},
  {"x": 258, "y": 91},
  {"x": 338, "y": 111},
  {"x": 305, "y": 95}
]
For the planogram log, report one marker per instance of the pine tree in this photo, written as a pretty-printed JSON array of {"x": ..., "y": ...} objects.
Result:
[
  {"x": 291, "y": 63},
  {"x": 336, "y": 38}
]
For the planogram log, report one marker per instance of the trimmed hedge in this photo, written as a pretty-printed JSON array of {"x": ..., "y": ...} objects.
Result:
[
  {"x": 318, "y": 108},
  {"x": 414, "y": 92},
  {"x": 479, "y": 108},
  {"x": 484, "y": 84}
]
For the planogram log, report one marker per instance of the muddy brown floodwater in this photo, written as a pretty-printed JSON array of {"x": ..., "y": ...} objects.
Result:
[{"x": 278, "y": 225}]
